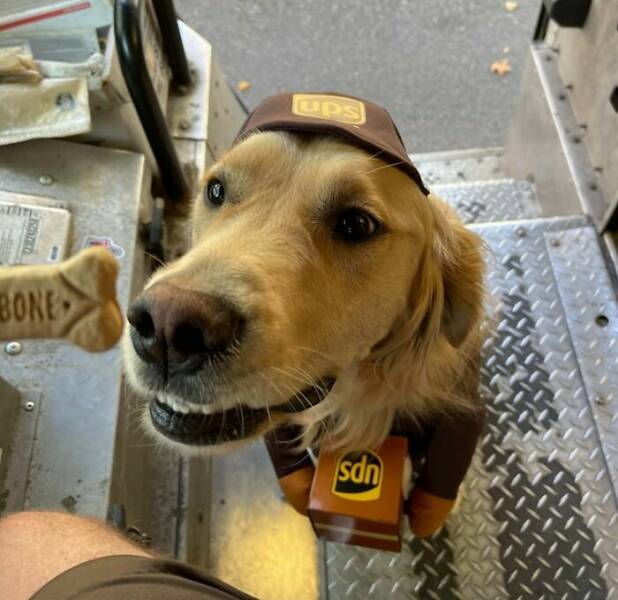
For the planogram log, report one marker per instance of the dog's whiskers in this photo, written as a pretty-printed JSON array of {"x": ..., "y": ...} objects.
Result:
[
  {"x": 395, "y": 164},
  {"x": 305, "y": 402},
  {"x": 155, "y": 258},
  {"x": 314, "y": 351}
]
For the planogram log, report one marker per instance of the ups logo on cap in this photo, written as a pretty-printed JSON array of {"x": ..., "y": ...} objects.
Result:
[
  {"x": 331, "y": 108},
  {"x": 358, "y": 476}
]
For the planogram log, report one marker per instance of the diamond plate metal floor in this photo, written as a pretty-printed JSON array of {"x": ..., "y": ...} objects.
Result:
[
  {"x": 490, "y": 201},
  {"x": 457, "y": 166},
  {"x": 539, "y": 512}
]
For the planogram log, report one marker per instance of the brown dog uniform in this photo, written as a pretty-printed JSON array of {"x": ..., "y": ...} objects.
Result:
[
  {"x": 441, "y": 451},
  {"x": 442, "y": 448}
]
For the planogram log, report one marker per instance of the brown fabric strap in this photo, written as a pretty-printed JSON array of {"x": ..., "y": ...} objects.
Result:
[
  {"x": 281, "y": 444},
  {"x": 360, "y": 122},
  {"x": 450, "y": 453},
  {"x": 444, "y": 447}
]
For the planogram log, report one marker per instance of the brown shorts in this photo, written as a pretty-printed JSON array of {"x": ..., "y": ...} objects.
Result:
[{"x": 137, "y": 578}]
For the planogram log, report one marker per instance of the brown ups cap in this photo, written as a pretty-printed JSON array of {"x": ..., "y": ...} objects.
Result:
[{"x": 361, "y": 123}]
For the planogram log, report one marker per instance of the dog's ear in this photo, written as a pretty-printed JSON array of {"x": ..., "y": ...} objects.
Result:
[
  {"x": 460, "y": 259},
  {"x": 445, "y": 300}
]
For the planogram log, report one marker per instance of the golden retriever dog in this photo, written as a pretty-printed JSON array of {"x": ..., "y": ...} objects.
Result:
[{"x": 319, "y": 275}]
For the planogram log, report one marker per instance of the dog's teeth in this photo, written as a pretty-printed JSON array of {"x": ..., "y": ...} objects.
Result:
[
  {"x": 205, "y": 409},
  {"x": 186, "y": 407},
  {"x": 175, "y": 405},
  {"x": 178, "y": 407}
]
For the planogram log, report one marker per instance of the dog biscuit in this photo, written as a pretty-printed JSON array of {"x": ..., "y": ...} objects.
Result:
[{"x": 75, "y": 299}]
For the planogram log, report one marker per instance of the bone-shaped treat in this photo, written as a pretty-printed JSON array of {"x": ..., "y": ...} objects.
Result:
[{"x": 75, "y": 299}]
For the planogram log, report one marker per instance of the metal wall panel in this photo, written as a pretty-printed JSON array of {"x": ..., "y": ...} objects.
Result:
[{"x": 588, "y": 62}]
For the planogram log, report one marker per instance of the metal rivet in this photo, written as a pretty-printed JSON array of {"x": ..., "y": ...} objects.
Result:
[
  {"x": 602, "y": 321},
  {"x": 521, "y": 232},
  {"x": 184, "y": 124},
  {"x": 65, "y": 101},
  {"x": 555, "y": 242},
  {"x": 46, "y": 180},
  {"x": 13, "y": 348},
  {"x": 29, "y": 406},
  {"x": 600, "y": 400}
]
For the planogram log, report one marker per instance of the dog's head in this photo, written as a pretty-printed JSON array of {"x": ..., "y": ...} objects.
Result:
[{"x": 312, "y": 261}]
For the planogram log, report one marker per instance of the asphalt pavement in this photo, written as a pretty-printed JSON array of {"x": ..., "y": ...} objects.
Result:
[{"x": 427, "y": 61}]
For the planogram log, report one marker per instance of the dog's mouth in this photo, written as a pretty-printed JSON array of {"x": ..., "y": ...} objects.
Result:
[
  {"x": 233, "y": 424},
  {"x": 198, "y": 429}
]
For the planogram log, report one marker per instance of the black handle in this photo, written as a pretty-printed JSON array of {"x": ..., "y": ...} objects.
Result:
[
  {"x": 568, "y": 13},
  {"x": 128, "y": 35},
  {"x": 172, "y": 42}
]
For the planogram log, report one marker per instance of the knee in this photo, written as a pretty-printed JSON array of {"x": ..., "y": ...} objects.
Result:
[
  {"x": 76, "y": 538},
  {"x": 17, "y": 523},
  {"x": 31, "y": 526}
]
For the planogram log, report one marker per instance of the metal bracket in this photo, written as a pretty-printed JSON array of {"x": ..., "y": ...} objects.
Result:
[{"x": 9, "y": 409}]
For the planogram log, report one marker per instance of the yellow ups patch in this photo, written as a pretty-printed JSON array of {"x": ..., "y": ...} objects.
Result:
[
  {"x": 331, "y": 108},
  {"x": 358, "y": 476}
]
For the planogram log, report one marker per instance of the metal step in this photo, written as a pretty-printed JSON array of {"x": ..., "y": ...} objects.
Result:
[
  {"x": 491, "y": 201},
  {"x": 457, "y": 166},
  {"x": 539, "y": 513},
  {"x": 62, "y": 447}
]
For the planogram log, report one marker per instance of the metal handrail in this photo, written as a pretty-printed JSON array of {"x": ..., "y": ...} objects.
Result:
[
  {"x": 130, "y": 49},
  {"x": 172, "y": 42}
]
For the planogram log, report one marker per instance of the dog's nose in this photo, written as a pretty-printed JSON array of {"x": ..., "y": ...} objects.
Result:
[{"x": 178, "y": 329}]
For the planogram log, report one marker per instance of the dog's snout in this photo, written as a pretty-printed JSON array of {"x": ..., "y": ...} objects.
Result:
[{"x": 177, "y": 329}]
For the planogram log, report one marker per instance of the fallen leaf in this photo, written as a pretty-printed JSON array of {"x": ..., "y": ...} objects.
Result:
[
  {"x": 510, "y": 5},
  {"x": 501, "y": 67},
  {"x": 243, "y": 86}
]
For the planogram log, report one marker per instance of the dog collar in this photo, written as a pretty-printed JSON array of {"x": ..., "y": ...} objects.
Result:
[{"x": 364, "y": 124}]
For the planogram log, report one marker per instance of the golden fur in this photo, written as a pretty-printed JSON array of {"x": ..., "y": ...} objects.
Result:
[{"x": 396, "y": 318}]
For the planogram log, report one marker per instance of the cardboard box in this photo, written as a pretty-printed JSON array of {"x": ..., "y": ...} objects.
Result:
[{"x": 356, "y": 498}]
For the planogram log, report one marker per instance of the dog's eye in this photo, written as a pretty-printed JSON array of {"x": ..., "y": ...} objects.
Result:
[
  {"x": 355, "y": 225},
  {"x": 215, "y": 192}
]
